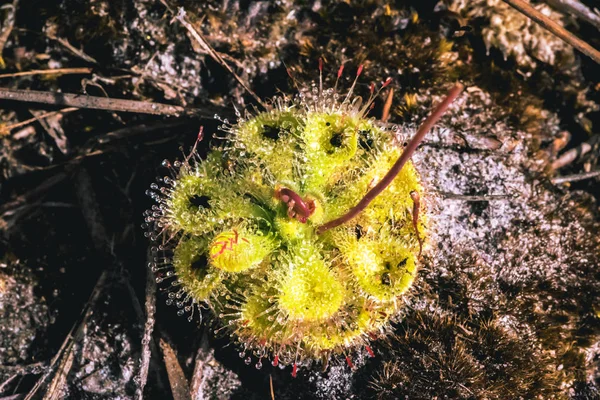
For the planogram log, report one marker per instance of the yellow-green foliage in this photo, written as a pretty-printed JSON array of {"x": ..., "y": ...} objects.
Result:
[{"x": 281, "y": 289}]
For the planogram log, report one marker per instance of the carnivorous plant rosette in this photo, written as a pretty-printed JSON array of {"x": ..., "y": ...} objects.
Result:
[{"x": 301, "y": 232}]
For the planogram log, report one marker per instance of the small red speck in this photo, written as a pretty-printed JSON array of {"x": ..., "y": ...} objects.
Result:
[
  {"x": 200, "y": 134},
  {"x": 321, "y": 64},
  {"x": 387, "y": 82},
  {"x": 360, "y": 69},
  {"x": 294, "y": 370},
  {"x": 289, "y": 72},
  {"x": 245, "y": 240},
  {"x": 349, "y": 362},
  {"x": 245, "y": 322},
  {"x": 372, "y": 336},
  {"x": 372, "y": 88},
  {"x": 276, "y": 360},
  {"x": 340, "y": 71},
  {"x": 370, "y": 351}
]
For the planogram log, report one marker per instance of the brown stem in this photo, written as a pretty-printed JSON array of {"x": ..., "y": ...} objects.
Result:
[{"x": 397, "y": 167}]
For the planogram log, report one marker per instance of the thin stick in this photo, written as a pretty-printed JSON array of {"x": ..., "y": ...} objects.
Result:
[
  {"x": 578, "y": 9},
  {"x": 7, "y": 382},
  {"x": 571, "y": 155},
  {"x": 198, "y": 374},
  {"x": 5, "y": 130},
  {"x": 555, "y": 28},
  {"x": 271, "y": 386},
  {"x": 79, "y": 53},
  {"x": 474, "y": 197},
  {"x": 100, "y": 103},
  {"x": 35, "y": 368},
  {"x": 148, "y": 329},
  {"x": 75, "y": 335},
  {"x": 33, "y": 195},
  {"x": 181, "y": 17},
  {"x": 57, "y": 71},
  {"x": 575, "y": 177},
  {"x": 397, "y": 167}
]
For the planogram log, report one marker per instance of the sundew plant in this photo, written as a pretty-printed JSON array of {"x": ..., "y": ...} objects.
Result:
[{"x": 301, "y": 232}]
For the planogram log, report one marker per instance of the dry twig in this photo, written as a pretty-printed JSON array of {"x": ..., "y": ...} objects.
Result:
[
  {"x": 35, "y": 368},
  {"x": 578, "y": 9},
  {"x": 5, "y": 130},
  {"x": 575, "y": 177},
  {"x": 198, "y": 375},
  {"x": 7, "y": 382},
  {"x": 148, "y": 329},
  {"x": 36, "y": 193},
  {"x": 79, "y": 53},
  {"x": 100, "y": 103},
  {"x": 554, "y": 28},
  {"x": 571, "y": 155},
  {"x": 74, "y": 336},
  {"x": 481, "y": 197}
]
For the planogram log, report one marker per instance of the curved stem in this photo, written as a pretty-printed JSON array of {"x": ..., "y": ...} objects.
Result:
[{"x": 397, "y": 167}]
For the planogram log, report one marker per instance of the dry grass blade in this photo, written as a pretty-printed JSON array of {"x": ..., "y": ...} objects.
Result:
[
  {"x": 181, "y": 17},
  {"x": 55, "y": 388},
  {"x": 179, "y": 384},
  {"x": 57, "y": 71},
  {"x": 5, "y": 130},
  {"x": 74, "y": 336},
  {"x": 554, "y": 28},
  {"x": 148, "y": 329},
  {"x": 65, "y": 43}
]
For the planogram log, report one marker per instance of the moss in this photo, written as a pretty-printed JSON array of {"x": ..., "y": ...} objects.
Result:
[{"x": 436, "y": 355}]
